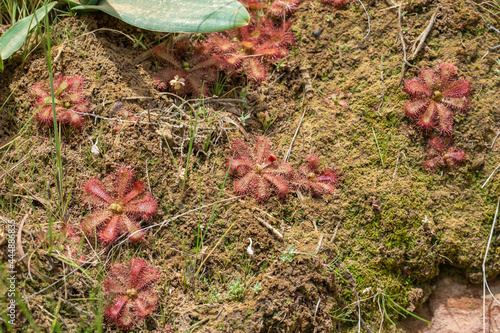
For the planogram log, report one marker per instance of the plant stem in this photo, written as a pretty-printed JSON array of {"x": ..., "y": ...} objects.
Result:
[
  {"x": 191, "y": 141},
  {"x": 57, "y": 137},
  {"x": 378, "y": 148},
  {"x": 170, "y": 150}
]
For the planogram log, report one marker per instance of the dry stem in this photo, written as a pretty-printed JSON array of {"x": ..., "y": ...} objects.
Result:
[
  {"x": 403, "y": 44},
  {"x": 424, "y": 34},
  {"x": 270, "y": 227}
]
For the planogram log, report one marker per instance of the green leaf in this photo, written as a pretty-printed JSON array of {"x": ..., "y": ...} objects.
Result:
[
  {"x": 74, "y": 4},
  {"x": 1, "y": 64},
  {"x": 13, "y": 39},
  {"x": 176, "y": 15}
]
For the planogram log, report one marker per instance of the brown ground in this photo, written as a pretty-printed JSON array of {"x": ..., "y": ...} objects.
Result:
[{"x": 428, "y": 221}]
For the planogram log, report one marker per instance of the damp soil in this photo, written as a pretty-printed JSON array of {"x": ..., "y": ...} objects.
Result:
[{"x": 384, "y": 236}]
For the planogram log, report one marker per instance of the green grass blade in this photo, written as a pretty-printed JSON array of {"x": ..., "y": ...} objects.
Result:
[
  {"x": 385, "y": 311},
  {"x": 72, "y": 264},
  {"x": 408, "y": 312},
  {"x": 55, "y": 325},
  {"x": 378, "y": 148},
  {"x": 395, "y": 310},
  {"x": 169, "y": 149},
  {"x": 212, "y": 215},
  {"x": 191, "y": 141},
  {"x": 13, "y": 39}
]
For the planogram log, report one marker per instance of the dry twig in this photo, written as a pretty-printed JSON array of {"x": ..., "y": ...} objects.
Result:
[
  {"x": 220, "y": 100},
  {"x": 423, "y": 36},
  {"x": 270, "y": 227},
  {"x": 335, "y": 232},
  {"x": 382, "y": 82},
  {"x": 20, "y": 249},
  {"x": 307, "y": 90},
  {"x": 317, "y": 306},
  {"x": 485, "y": 282},
  {"x": 319, "y": 244},
  {"x": 487, "y": 180},
  {"x": 397, "y": 162},
  {"x": 201, "y": 322},
  {"x": 403, "y": 44},
  {"x": 294, "y": 136},
  {"x": 488, "y": 25},
  {"x": 495, "y": 139},
  {"x": 368, "y": 17}
]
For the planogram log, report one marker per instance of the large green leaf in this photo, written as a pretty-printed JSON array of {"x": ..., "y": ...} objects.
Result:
[
  {"x": 13, "y": 39},
  {"x": 176, "y": 15}
]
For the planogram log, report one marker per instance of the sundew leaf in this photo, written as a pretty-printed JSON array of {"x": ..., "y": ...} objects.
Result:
[
  {"x": 13, "y": 39},
  {"x": 176, "y": 15}
]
